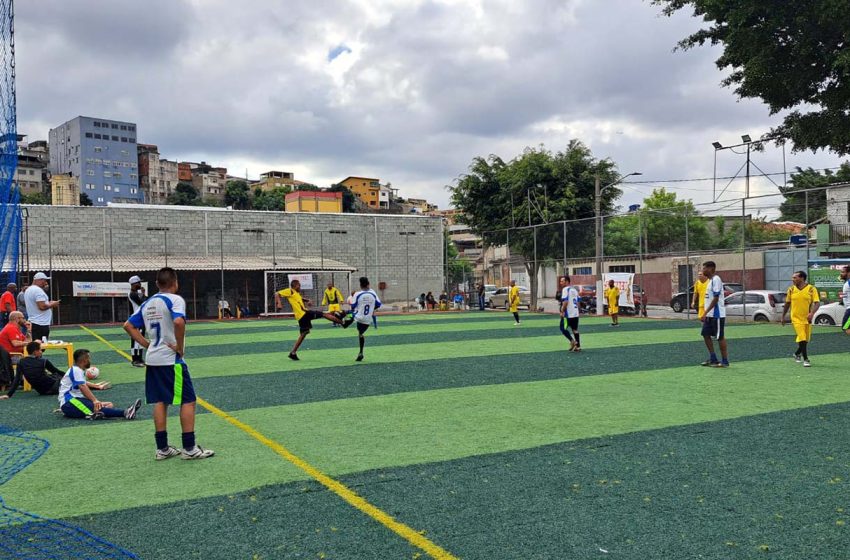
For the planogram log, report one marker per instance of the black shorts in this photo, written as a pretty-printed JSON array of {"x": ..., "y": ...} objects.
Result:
[
  {"x": 305, "y": 323},
  {"x": 714, "y": 327},
  {"x": 572, "y": 322},
  {"x": 362, "y": 327}
]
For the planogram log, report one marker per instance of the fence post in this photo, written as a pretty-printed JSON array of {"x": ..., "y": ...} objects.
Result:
[
  {"x": 221, "y": 252},
  {"x": 274, "y": 252},
  {"x": 165, "y": 244},
  {"x": 322, "y": 249},
  {"x": 50, "y": 257},
  {"x": 688, "y": 261},
  {"x": 111, "y": 271},
  {"x": 744, "y": 252}
]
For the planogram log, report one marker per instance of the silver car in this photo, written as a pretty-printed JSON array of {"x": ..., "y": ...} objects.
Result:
[
  {"x": 763, "y": 306},
  {"x": 829, "y": 314},
  {"x": 500, "y": 298}
]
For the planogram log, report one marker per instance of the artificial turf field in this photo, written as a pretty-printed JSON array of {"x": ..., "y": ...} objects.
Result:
[{"x": 465, "y": 437}]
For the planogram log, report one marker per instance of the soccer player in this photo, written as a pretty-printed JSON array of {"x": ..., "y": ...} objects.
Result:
[
  {"x": 365, "y": 304},
  {"x": 136, "y": 297},
  {"x": 513, "y": 301},
  {"x": 714, "y": 318},
  {"x": 167, "y": 379},
  {"x": 303, "y": 315},
  {"x": 803, "y": 299},
  {"x": 569, "y": 313},
  {"x": 700, "y": 286},
  {"x": 612, "y": 295},
  {"x": 333, "y": 299},
  {"x": 845, "y": 295},
  {"x": 76, "y": 399}
]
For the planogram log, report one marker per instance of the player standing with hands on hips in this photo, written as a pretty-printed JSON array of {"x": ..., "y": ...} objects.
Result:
[
  {"x": 137, "y": 297},
  {"x": 167, "y": 379}
]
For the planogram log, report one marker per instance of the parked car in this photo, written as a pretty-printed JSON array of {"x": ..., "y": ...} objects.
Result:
[
  {"x": 500, "y": 298},
  {"x": 762, "y": 306},
  {"x": 489, "y": 290},
  {"x": 829, "y": 314},
  {"x": 586, "y": 290},
  {"x": 682, "y": 300}
]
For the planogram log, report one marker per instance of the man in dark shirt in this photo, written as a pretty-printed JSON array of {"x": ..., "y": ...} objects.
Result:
[
  {"x": 137, "y": 297},
  {"x": 41, "y": 374}
]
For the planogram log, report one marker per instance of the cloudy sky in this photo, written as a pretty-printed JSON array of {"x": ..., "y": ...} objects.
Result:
[{"x": 405, "y": 90}]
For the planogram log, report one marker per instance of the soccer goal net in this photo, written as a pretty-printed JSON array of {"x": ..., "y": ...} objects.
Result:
[{"x": 313, "y": 286}]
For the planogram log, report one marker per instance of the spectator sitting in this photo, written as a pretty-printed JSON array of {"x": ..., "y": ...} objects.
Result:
[
  {"x": 224, "y": 309},
  {"x": 41, "y": 374},
  {"x": 429, "y": 299},
  {"x": 12, "y": 338},
  {"x": 421, "y": 301},
  {"x": 444, "y": 301},
  {"x": 458, "y": 301}
]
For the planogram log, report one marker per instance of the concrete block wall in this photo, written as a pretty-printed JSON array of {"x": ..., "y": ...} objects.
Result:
[{"x": 404, "y": 251}]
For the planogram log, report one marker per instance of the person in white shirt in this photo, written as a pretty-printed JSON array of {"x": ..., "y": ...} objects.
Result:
[
  {"x": 39, "y": 307},
  {"x": 714, "y": 320},
  {"x": 569, "y": 314},
  {"x": 224, "y": 309},
  {"x": 845, "y": 295},
  {"x": 363, "y": 309},
  {"x": 136, "y": 297},
  {"x": 76, "y": 399},
  {"x": 167, "y": 379}
]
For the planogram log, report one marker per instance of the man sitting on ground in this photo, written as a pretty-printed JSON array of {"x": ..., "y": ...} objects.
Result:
[
  {"x": 76, "y": 399},
  {"x": 41, "y": 374}
]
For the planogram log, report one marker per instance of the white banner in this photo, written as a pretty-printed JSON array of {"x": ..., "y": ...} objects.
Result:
[
  {"x": 624, "y": 281},
  {"x": 104, "y": 289},
  {"x": 305, "y": 279}
]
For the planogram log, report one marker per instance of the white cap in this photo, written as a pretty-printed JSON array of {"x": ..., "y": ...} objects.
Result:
[
  {"x": 41, "y": 276},
  {"x": 135, "y": 280}
]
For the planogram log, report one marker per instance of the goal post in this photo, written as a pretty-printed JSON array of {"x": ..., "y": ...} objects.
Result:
[{"x": 313, "y": 285}]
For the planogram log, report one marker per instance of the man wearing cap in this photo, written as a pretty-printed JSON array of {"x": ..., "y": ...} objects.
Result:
[
  {"x": 7, "y": 303},
  {"x": 39, "y": 307},
  {"x": 137, "y": 297}
]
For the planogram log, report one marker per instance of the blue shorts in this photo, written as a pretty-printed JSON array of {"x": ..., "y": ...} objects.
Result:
[
  {"x": 169, "y": 384},
  {"x": 714, "y": 327}
]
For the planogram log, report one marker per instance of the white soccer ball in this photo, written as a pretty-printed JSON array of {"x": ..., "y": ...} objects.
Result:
[{"x": 92, "y": 373}]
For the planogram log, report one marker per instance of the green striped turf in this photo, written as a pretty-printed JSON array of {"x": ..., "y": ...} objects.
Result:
[{"x": 358, "y": 434}]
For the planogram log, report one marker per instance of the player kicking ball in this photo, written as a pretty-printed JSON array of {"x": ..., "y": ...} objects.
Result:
[
  {"x": 303, "y": 315},
  {"x": 362, "y": 312}
]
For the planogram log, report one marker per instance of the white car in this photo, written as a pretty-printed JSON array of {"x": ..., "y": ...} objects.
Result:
[
  {"x": 499, "y": 299},
  {"x": 829, "y": 314},
  {"x": 763, "y": 306}
]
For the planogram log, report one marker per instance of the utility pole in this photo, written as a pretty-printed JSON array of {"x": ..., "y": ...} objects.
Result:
[{"x": 598, "y": 199}]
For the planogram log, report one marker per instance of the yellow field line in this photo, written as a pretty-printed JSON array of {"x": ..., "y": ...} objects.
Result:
[{"x": 351, "y": 497}]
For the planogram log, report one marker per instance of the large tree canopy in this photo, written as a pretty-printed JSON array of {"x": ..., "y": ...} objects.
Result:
[
  {"x": 794, "y": 206},
  {"x": 794, "y": 55}
]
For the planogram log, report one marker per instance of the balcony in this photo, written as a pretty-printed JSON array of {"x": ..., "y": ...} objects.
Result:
[{"x": 833, "y": 239}]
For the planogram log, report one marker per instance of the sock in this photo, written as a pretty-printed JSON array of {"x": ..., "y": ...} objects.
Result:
[
  {"x": 713, "y": 357},
  {"x": 565, "y": 331},
  {"x": 161, "y": 440},
  {"x": 188, "y": 440},
  {"x": 799, "y": 349},
  {"x": 577, "y": 340},
  {"x": 362, "y": 342},
  {"x": 516, "y": 316},
  {"x": 804, "y": 348}
]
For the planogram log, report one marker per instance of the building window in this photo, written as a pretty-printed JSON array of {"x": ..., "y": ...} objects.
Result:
[
  {"x": 125, "y": 153},
  {"x": 115, "y": 139},
  {"x": 90, "y": 172},
  {"x": 100, "y": 199},
  {"x": 135, "y": 176},
  {"x": 96, "y": 124},
  {"x": 117, "y": 189},
  {"x": 123, "y": 127},
  {"x": 107, "y": 187},
  {"x": 89, "y": 135},
  {"x": 582, "y": 270},
  {"x": 107, "y": 173},
  {"x": 132, "y": 128},
  {"x": 133, "y": 191},
  {"x": 115, "y": 126},
  {"x": 124, "y": 139},
  {"x": 116, "y": 174},
  {"x": 621, "y": 268},
  {"x": 132, "y": 140},
  {"x": 98, "y": 149},
  {"x": 107, "y": 162},
  {"x": 97, "y": 136}
]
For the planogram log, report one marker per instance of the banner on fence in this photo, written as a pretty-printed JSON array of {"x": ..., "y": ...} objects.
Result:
[
  {"x": 103, "y": 289},
  {"x": 624, "y": 281},
  {"x": 825, "y": 275},
  {"x": 305, "y": 279}
]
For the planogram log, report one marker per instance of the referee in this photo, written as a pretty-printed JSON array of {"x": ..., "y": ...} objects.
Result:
[{"x": 137, "y": 297}]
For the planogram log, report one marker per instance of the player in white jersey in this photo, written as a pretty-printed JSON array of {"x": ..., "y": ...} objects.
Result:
[
  {"x": 714, "y": 320},
  {"x": 363, "y": 309},
  {"x": 136, "y": 297},
  {"x": 845, "y": 295},
  {"x": 569, "y": 314},
  {"x": 167, "y": 379}
]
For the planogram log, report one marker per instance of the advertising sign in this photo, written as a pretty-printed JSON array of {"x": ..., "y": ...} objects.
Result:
[
  {"x": 824, "y": 274},
  {"x": 103, "y": 289},
  {"x": 305, "y": 279},
  {"x": 624, "y": 281}
]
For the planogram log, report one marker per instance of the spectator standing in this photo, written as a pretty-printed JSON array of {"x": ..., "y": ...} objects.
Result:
[
  {"x": 7, "y": 303},
  {"x": 481, "y": 297},
  {"x": 137, "y": 297},
  {"x": 40, "y": 307}
]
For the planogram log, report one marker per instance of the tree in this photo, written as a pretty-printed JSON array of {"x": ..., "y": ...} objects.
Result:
[
  {"x": 537, "y": 186},
  {"x": 85, "y": 200},
  {"x": 34, "y": 198},
  {"x": 237, "y": 195},
  {"x": 793, "y": 208},
  {"x": 274, "y": 199},
  {"x": 792, "y": 55},
  {"x": 348, "y": 197},
  {"x": 459, "y": 270},
  {"x": 307, "y": 187},
  {"x": 184, "y": 194}
]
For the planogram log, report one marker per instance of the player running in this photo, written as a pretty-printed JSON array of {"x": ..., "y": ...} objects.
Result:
[
  {"x": 365, "y": 304},
  {"x": 167, "y": 379},
  {"x": 612, "y": 295},
  {"x": 513, "y": 301},
  {"x": 569, "y": 313},
  {"x": 714, "y": 319},
  {"x": 803, "y": 299},
  {"x": 303, "y": 315}
]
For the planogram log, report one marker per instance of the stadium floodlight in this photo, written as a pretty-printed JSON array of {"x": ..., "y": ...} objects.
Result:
[
  {"x": 717, "y": 145},
  {"x": 746, "y": 138}
]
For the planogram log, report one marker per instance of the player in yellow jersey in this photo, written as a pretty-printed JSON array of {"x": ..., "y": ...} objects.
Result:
[
  {"x": 333, "y": 299},
  {"x": 700, "y": 286},
  {"x": 803, "y": 299},
  {"x": 612, "y": 296},
  {"x": 513, "y": 301},
  {"x": 303, "y": 315}
]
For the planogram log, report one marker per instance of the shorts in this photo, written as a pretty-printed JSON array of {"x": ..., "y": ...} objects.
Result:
[
  {"x": 169, "y": 385},
  {"x": 334, "y": 308},
  {"x": 714, "y": 327},
  {"x": 845, "y": 322},
  {"x": 305, "y": 323},
  {"x": 572, "y": 322},
  {"x": 613, "y": 310},
  {"x": 803, "y": 330},
  {"x": 362, "y": 327}
]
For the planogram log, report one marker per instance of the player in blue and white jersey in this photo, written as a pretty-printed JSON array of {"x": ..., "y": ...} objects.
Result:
[
  {"x": 569, "y": 313},
  {"x": 76, "y": 399},
  {"x": 363, "y": 309},
  {"x": 714, "y": 320},
  {"x": 167, "y": 379}
]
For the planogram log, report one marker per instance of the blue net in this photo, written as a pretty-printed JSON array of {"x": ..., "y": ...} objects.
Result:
[
  {"x": 10, "y": 213},
  {"x": 25, "y": 535}
]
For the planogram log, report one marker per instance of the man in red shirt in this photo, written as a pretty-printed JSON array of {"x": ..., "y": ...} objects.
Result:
[
  {"x": 7, "y": 303},
  {"x": 12, "y": 338}
]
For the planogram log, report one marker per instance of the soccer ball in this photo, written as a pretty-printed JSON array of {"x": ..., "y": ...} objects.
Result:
[{"x": 92, "y": 373}]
